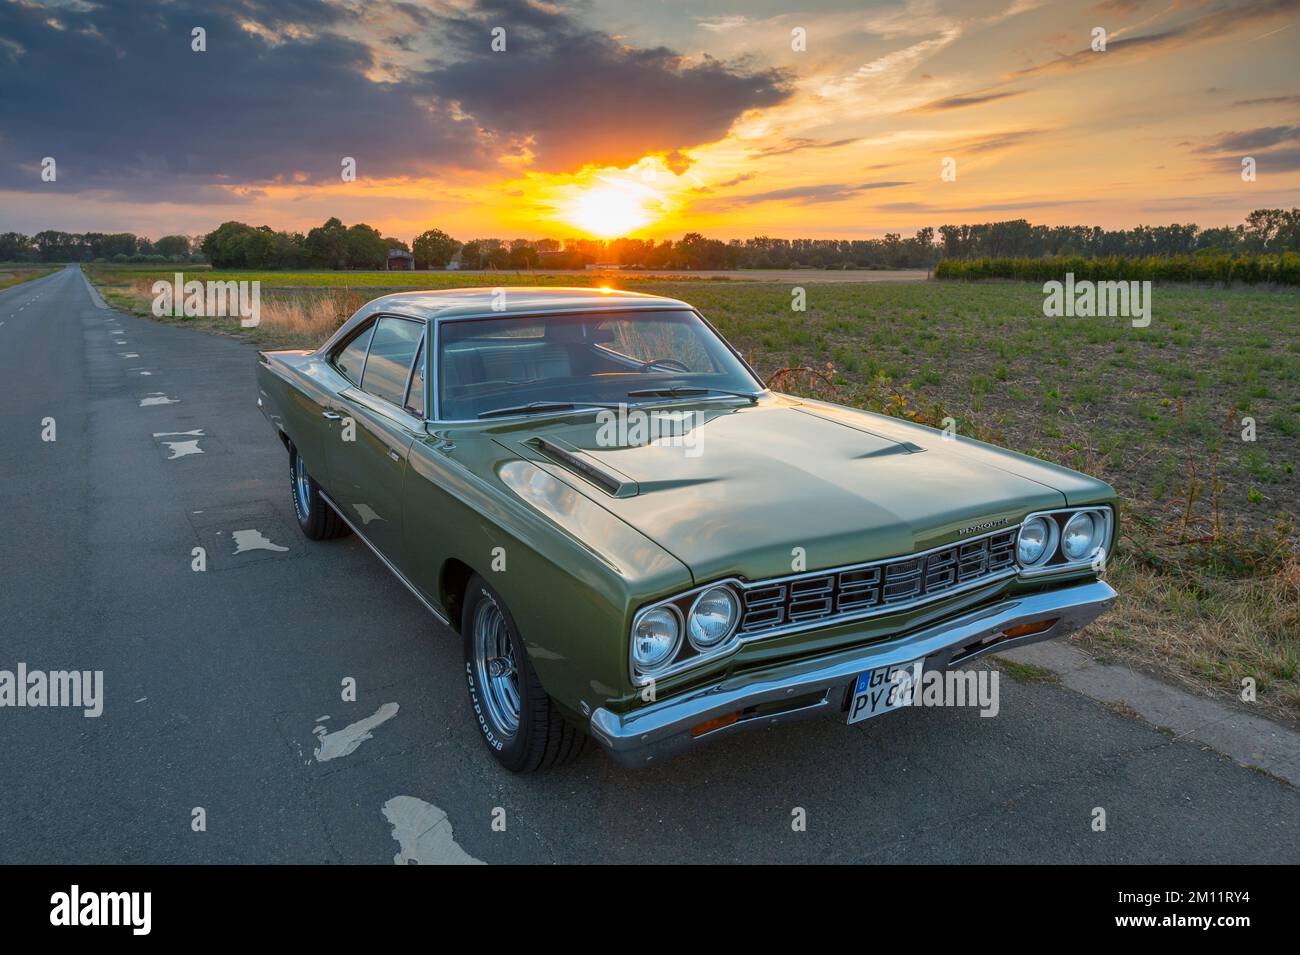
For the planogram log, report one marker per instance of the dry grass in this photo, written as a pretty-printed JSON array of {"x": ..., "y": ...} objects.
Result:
[
  {"x": 1207, "y": 631},
  {"x": 289, "y": 319},
  {"x": 311, "y": 318}
]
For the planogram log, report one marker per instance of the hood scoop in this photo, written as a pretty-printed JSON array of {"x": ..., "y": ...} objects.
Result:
[{"x": 573, "y": 459}]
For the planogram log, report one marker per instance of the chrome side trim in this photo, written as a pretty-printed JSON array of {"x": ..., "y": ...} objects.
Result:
[
  {"x": 819, "y": 686},
  {"x": 387, "y": 563},
  {"x": 381, "y": 407},
  {"x": 410, "y": 372}
]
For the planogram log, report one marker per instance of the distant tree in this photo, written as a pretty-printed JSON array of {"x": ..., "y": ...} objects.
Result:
[
  {"x": 16, "y": 247},
  {"x": 522, "y": 255},
  {"x": 123, "y": 242},
  {"x": 174, "y": 247},
  {"x": 234, "y": 245},
  {"x": 433, "y": 249},
  {"x": 471, "y": 255},
  {"x": 366, "y": 248},
  {"x": 327, "y": 245}
]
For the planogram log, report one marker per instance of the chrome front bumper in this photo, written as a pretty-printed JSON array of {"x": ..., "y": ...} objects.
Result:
[{"x": 812, "y": 687}]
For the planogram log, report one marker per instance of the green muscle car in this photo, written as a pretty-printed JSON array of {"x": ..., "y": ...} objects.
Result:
[{"x": 640, "y": 543}]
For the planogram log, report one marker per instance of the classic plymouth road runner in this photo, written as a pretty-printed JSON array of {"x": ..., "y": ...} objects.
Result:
[{"x": 640, "y": 543}]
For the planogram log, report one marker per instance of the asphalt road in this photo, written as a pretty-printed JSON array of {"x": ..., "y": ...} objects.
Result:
[{"x": 215, "y": 681}]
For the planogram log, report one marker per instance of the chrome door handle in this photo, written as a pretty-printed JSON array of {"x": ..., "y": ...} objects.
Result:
[
  {"x": 394, "y": 455},
  {"x": 331, "y": 415}
]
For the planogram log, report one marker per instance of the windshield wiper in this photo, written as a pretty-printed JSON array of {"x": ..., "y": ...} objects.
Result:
[
  {"x": 539, "y": 407},
  {"x": 680, "y": 392}
]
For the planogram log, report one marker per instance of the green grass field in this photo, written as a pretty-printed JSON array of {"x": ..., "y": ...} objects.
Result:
[{"x": 1207, "y": 569}]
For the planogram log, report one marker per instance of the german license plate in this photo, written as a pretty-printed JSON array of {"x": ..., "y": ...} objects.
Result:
[{"x": 883, "y": 689}]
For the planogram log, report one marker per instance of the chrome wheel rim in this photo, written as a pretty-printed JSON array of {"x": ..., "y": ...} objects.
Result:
[
  {"x": 301, "y": 489},
  {"x": 495, "y": 669}
]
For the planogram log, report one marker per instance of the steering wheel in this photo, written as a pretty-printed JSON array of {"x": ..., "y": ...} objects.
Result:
[{"x": 672, "y": 363}]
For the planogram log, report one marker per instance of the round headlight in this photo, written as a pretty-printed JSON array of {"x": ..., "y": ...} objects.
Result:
[
  {"x": 1080, "y": 537},
  {"x": 712, "y": 617},
  {"x": 1031, "y": 545},
  {"x": 655, "y": 638}
]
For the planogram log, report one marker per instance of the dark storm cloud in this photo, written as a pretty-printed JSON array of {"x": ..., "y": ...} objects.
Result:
[
  {"x": 118, "y": 98},
  {"x": 578, "y": 96},
  {"x": 115, "y": 94}
]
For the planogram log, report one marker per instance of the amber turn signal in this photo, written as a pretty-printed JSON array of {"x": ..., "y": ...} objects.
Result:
[
  {"x": 1025, "y": 629},
  {"x": 717, "y": 723}
]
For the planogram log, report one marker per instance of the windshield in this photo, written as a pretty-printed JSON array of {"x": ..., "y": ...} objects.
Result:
[{"x": 494, "y": 364}]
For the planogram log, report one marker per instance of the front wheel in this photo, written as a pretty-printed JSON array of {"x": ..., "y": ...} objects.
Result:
[
  {"x": 316, "y": 518},
  {"x": 517, "y": 720}
]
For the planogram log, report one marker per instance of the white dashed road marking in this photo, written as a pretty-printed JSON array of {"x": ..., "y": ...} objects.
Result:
[
  {"x": 424, "y": 834},
  {"x": 254, "y": 540},
  {"x": 180, "y": 449},
  {"x": 344, "y": 741}
]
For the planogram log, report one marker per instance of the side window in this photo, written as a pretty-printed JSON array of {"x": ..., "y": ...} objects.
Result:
[
  {"x": 391, "y": 352},
  {"x": 415, "y": 397},
  {"x": 353, "y": 356}
]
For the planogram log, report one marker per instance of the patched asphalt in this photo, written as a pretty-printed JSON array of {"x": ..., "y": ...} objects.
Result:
[{"x": 216, "y": 681}]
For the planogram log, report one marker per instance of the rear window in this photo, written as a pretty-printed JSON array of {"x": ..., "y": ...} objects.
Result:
[
  {"x": 391, "y": 352},
  {"x": 350, "y": 360}
]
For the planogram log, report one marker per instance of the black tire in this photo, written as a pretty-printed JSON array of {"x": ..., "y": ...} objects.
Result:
[
  {"x": 543, "y": 738},
  {"x": 316, "y": 518}
]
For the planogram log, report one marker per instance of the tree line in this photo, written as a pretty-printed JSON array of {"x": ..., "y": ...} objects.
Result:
[
  {"x": 334, "y": 245},
  {"x": 55, "y": 246}
]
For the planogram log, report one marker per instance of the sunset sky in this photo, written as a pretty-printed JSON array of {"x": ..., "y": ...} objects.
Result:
[{"x": 645, "y": 117}]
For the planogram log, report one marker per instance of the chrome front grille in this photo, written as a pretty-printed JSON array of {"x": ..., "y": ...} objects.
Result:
[{"x": 879, "y": 587}]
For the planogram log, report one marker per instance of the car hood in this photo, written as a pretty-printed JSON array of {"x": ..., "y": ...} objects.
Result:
[{"x": 737, "y": 491}]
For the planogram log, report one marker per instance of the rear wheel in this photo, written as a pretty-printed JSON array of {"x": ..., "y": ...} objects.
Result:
[
  {"x": 518, "y": 721},
  {"x": 316, "y": 518}
]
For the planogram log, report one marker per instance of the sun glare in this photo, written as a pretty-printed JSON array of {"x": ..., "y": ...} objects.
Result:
[{"x": 611, "y": 210}]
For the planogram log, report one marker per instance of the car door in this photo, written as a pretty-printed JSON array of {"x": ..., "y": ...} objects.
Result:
[
  {"x": 386, "y": 413},
  {"x": 314, "y": 419}
]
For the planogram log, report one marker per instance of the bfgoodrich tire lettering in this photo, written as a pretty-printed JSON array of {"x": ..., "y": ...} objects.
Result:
[
  {"x": 540, "y": 737},
  {"x": 316, "y": 518}
]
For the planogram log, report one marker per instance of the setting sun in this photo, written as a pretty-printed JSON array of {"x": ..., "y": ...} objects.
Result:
[{"x": 611, "y": 209}]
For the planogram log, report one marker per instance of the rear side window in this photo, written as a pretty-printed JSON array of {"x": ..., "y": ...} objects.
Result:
[
  {"x": 391, "y": 352},
  {"x": 415, "y": 397},
  {"x": 350, "y": 360}
]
